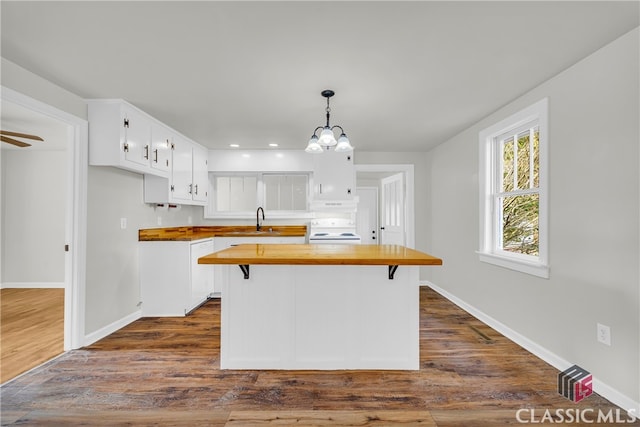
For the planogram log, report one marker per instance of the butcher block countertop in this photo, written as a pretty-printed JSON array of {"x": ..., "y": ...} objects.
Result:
[
  {"x": 304, "y": 254},
  {"x": 204, "y": 232}
]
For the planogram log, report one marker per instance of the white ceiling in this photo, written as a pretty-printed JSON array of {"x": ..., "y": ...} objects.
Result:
[{"x": 407, "y": 75}]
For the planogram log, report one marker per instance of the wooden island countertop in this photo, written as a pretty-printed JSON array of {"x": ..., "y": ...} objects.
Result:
[{"x": 305, "y": 254}]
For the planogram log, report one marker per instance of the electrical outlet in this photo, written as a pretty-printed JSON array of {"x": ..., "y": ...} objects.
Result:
[
  {"x": 159, "y": 220},
  {"x": 123, "y": 223},
  {"x": 604, "y": 334},
  {"x": 189, "y": 220}
]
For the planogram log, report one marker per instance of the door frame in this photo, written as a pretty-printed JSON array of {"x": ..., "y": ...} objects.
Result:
[
  {"x": 376, "y": 191},
  {"x": 409, "y": 204},
  {"x": 76, "y": 212}
]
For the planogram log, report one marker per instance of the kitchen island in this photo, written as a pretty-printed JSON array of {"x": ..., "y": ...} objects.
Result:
[{"x": 320, "y": 306}]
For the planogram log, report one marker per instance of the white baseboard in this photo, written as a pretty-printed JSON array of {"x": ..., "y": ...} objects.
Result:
[
  {"x": 551, "y": 358},
  {"x": 30, "y": 285},
  {"x": 111, "y": 328}
]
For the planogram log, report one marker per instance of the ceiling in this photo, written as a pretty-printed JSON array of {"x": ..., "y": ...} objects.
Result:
[{"x": 407, "y": 75}]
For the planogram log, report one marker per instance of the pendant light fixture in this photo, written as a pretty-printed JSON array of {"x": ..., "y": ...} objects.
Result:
[{"x": 326, "y": 140}]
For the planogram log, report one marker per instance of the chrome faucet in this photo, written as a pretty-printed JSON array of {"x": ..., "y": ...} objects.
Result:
[{"x": 258, "y": 224}]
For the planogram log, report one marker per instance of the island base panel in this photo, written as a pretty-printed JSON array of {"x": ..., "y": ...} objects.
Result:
[{"x": 320, "y": 317}]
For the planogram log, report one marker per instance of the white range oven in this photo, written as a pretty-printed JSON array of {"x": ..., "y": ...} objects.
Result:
[{"x": 334, "y": 231}]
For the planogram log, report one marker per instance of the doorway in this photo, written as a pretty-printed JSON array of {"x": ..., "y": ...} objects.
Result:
[
  {"x": 393, "y": 187},
  {"x": 70, "y": 242},
  {"x": 367, "y": 215}
]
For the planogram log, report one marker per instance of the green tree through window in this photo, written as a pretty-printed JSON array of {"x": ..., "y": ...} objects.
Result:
[{"x": 517, "y": 196}]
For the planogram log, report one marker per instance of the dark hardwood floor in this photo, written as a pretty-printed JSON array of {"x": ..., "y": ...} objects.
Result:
[{"x": 165, "y": 371}]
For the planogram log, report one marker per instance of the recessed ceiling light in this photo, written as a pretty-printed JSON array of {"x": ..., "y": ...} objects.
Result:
[
  {"x": 273, "y": 144},
  {"x": 246, "y": 156},
  {"x": 234, "y": 145}
]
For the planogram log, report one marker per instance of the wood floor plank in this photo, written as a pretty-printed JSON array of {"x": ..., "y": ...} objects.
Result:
[
  {"x": 329, "y": 418},
  {"x": 155, "y": 368},
  {"x": 68, "y": 418},
  {"x": 32, "y": 329}
]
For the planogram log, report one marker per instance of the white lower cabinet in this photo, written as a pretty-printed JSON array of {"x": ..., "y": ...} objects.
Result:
[{"x": 172, "y": 283}]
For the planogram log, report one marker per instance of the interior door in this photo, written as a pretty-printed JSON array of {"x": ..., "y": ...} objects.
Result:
[
  {"x": 392, "y": 215},
  {"x": 367, "y": 215}
]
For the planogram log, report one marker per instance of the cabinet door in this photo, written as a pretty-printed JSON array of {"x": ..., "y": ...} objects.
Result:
[
  {"x": 334, "y": 176},
  {"x": 200, "y": 173},
  {"x": 201, "y": 274},
  {"x": 161, "y": 139},
  {"x": 137, "y": 136},
  {"x": 181, "y": 176}
]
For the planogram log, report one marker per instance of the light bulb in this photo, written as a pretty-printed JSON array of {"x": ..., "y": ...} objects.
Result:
[
  {"x": 343, "y": 144},
  {"x": 327, "y": 138},
  {"x": 313, "y": 146}
]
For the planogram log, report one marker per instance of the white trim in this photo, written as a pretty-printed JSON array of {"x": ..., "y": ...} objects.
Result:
[
  {"x": 111, "y": 328},
  {"x": 604, "y": 390},
  {"x": 538, "y": 112},
  {"x": 407, "y": 169},
  {"x": 76, "y": 217},
  {"x": 523, "y": 266},
  {"x": 32, "y": 285}
]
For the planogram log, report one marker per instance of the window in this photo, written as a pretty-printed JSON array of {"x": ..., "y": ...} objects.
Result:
[
  {"x": 513, "y": 192},
  {"x": 235, "y": 193},
  {"x": 238, "y": 195},
  {"x": 285, "y": 192}
]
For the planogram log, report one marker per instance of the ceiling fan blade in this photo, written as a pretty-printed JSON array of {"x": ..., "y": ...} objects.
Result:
[
  {"x": 14, "y": 141},
  {"x": 21, "y": 135}
]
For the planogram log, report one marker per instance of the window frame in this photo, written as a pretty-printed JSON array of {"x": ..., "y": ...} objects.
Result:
[
  {"x": 212, "y": 213},
  {"x": 490, "y": 173}
]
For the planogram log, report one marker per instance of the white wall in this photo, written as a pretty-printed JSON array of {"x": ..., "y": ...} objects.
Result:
[
  {"x": 594, "y": 230},
  {"x": 113, "y": 289},
  {"x": 33, "y": 217}
]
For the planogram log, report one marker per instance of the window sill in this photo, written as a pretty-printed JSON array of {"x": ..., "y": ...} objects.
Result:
[{"x": 534, "y": 269}]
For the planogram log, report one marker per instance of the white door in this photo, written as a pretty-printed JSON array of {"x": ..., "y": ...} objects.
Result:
[
  {"x": 367, "y": 215},
  {"x": 392, "y": 202}
]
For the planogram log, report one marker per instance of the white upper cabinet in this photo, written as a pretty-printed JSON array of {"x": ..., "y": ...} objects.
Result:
[
  {"x": 137, "y": 136},
  {"x": 200, "y": 174},
  {"x": 187, "y": 182},
  {"x": 123, "y": 136},
  {"x": 120, "y": 135},
  {"x": 182, "y": 175},
  {"x": 334, "y": 176},
  {"x": 161, "y": 140}
]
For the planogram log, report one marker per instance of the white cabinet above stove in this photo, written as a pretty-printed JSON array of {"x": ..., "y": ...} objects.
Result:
[{"x": 334, "y": 176}]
